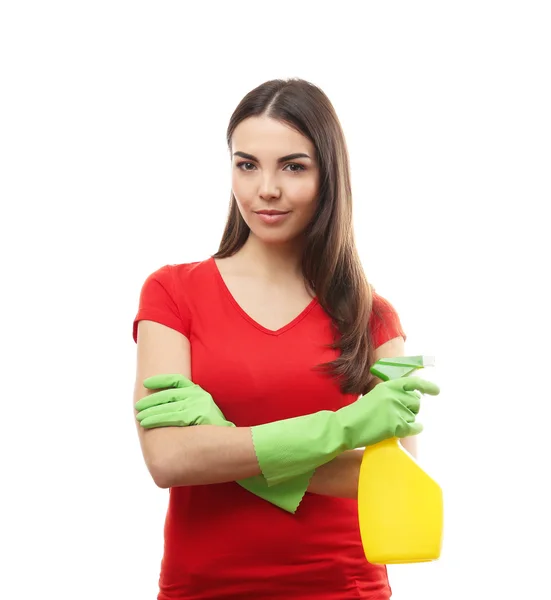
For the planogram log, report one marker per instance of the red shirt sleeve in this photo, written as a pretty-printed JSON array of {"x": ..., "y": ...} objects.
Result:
[
  {"x": 385, "y": 322},
  {"x": 159, "y": 303}
]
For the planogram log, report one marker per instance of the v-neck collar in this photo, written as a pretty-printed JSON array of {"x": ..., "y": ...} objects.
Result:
[{"x": 248, "y": 318}]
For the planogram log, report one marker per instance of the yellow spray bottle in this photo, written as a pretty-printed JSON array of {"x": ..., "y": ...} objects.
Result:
[{"x": 400, "y": 507}]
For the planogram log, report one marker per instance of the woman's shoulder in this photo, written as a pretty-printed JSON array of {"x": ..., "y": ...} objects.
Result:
[
  {"x": 178, "y": 283},
  {"x": 169, "y": 293},
  {"x": 381, "y": 304},
  {"x": 385, "y": 322},
  {"x": 182, "y": 273}
]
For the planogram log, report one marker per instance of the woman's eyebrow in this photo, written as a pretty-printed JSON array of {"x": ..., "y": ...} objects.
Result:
[{"x": 279, "y": 160}]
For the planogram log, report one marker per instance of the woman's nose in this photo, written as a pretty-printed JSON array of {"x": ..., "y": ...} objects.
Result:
[{"x": 269, "y": 188}]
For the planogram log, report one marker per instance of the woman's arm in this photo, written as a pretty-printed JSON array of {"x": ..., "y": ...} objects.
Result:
[
  {"x": 186, "y": 455},
  {"x": 338, "y": 478}
]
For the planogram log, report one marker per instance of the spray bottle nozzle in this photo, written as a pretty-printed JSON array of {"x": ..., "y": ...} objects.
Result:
[{"x": 400, "y": 366}]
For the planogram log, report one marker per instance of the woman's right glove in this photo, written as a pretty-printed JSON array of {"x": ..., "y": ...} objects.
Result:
[{"x": 291, "y": 447}]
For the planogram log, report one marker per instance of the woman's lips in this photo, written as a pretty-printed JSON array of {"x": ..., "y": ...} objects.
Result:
[{"x": 272, "y": 216}]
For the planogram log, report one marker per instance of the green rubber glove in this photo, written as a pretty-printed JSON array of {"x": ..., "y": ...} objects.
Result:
[
  {"x": 181, "y": 403},
  {"x": 287, "y": 448}
]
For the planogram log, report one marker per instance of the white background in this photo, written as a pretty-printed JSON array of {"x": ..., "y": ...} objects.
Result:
[{"x": 113, "y": 163}]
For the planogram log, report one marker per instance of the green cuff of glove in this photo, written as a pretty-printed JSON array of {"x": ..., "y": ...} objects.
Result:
[
  {"x": 287, "y": 495},
  {"x": 288, "y": 449}
]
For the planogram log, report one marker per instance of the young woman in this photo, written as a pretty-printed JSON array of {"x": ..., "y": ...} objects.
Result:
[{"x": 253, "y": 391}]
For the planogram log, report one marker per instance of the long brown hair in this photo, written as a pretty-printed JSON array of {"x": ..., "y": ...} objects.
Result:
[{"x": 330, "y": 263}]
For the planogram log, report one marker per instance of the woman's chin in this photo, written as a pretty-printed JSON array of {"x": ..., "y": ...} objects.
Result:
[{"x": 275, "y": 238}]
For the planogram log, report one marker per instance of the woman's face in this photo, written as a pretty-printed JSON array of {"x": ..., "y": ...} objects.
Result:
[{"x": 275, "y": 178}]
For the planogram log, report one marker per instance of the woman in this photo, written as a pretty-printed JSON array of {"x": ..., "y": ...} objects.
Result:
[{"x": 277, "y": 332}]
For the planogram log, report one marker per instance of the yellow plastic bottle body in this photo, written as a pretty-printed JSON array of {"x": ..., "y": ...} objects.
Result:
[{"x": 400, "y": 507}]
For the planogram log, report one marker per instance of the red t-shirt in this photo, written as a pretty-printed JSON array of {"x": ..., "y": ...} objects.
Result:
[{"x": 221, "y": 541}]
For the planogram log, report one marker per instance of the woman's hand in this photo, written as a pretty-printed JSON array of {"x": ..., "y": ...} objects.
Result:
[
  {"x": 388, "y": 410},
  {"x": 181, "y": 403}
]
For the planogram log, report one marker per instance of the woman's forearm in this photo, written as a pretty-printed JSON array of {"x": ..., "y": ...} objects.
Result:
[
  {"x": 202, "y": 455},
  {"x": 338, "y": 478}
]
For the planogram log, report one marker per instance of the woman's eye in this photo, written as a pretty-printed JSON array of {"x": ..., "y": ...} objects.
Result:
[
  {"x": 296, "y": 168},
  {"x": 244, "y": 166}
]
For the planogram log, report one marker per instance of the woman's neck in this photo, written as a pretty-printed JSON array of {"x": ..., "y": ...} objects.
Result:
[{"x": 271, "y": 261}]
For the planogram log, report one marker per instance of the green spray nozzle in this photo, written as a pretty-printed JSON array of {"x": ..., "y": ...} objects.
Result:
[{"x": 400, "y": 366}]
